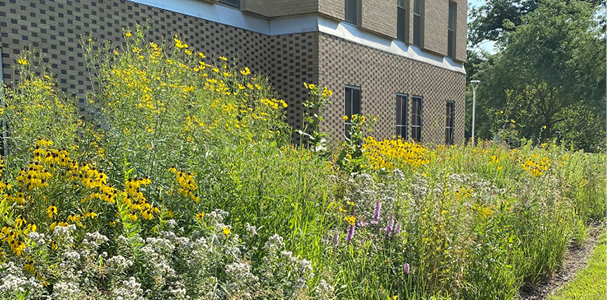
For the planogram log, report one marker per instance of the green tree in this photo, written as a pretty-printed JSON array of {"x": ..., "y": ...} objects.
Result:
[
  {"x": 552, "y": 69},
  {"x": 498, "y": 17}
]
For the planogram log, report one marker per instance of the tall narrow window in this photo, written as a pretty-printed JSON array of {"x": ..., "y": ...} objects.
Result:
[
  {"x": 352, "y": 105},
  {"x": 352, "y": 12},
  {"x": 402, "y": 20},
  {"x": 451, "y": 30},
  {"x": 401, "y": 116},
  {"x": 417, "y": 22},
  {"x": 416, "y": 119},
  {"x": 450, "y": 124}
]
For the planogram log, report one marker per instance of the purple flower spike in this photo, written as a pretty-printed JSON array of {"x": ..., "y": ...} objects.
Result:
[
  {"x": 350, "y": 233},
  {"x": 397, "y": 228},
  {"x": 390, "y": 227},
  {"x": 407, "y": 268},
  {"x": 376, "y": 212},
  {"x": 335, "y": 238}
]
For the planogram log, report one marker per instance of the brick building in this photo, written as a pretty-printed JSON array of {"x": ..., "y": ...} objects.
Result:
[{"x": 399, "y": 59}]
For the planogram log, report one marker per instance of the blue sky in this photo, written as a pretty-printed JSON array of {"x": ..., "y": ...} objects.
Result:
[{"x": 488, "y": 45}]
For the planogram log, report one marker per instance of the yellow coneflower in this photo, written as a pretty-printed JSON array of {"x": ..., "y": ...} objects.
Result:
[{"x": 199, "y": 216}]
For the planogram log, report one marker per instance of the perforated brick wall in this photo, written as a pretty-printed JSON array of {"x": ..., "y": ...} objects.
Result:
[
  {"x": 294, "y": 60},
  {"x": 55, "y": 27},
  {"x": 382, "y": 75}
]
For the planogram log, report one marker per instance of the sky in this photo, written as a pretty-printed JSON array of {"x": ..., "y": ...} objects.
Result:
[{"x": 487, "y": 45}]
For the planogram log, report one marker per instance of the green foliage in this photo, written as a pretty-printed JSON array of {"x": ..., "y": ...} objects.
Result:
[
  {"x": 494, "y": 19},
  {"x": 550, "y": 78},
  {"x": 188, "y": 188},
  {"x": 313, "y": 116}
]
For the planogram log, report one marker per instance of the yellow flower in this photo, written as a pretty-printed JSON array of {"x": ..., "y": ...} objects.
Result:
[
  {"x": 351, "y": 220},
  {"x": 345, "y": 118},
  {"x": 245, "y": 72},
  {"x": 188, "y": 52},
  {"x": 311, "y": 86},
  {"x": 223, "y": 58},
  {"x": 128, "y": 34},
  {"x": 305, "y": 85},
  {"x": 112, "y": 224},
  {"x": 22, "y": 62},
  {"x": 199, "y": 216},
  {"x": 226, "y": 230},
  {"x": 201, "y": 55},
  {"x": 51, "y": 210}
]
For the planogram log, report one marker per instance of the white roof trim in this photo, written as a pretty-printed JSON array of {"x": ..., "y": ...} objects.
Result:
[{"x": 301, "y": 24}]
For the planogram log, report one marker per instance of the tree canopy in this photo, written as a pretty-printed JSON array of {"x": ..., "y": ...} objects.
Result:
[{"x": 549, "y": 79}]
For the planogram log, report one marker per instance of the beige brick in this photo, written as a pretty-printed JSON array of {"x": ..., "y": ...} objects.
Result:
[
  {"x": 280, "y": 8},
  {"x": 335, "y": 9},
  {"x": 461, "y": 28},
  {"x": 379, "y": 16},
  {"x": 435, "y": 16}
]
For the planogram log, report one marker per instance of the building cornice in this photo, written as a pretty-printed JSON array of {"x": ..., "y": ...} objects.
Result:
[{"x": 301, "y": 24}]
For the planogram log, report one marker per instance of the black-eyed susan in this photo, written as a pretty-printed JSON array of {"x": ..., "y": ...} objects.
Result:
[{"x": 51, "y": 210}]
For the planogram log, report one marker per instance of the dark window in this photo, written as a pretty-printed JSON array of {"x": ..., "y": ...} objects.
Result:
[
  {"x": 402, "y": 20},
  {"x": 417, "y": 22},
  {"x": 450, "y": 124},
  {"x": 451, "y": 30},
  {"x": 352, "y": 105},
  {"x": 352, "y": 11},
  {"x": 416, "y": 119},
  {"x": 401, "y": 116},
  {"x": 233, "y": 3}
]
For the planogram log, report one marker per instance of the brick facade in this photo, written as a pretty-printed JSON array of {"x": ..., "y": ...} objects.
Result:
[
  {"x": 55, "y": 27},
  {"x": 381, "y": 76},
  {"x": 379, "y": 16}
]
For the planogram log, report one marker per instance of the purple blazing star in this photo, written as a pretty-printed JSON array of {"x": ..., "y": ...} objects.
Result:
[
  {"x": 407, "y": 268},
  {"x": 376, "y": 212},
  {"x": 335, "y": 238},
  {"x": 397, "y": 228},
  {"x": 390, "y": 227},
  {"x": 350, "y": 233}
]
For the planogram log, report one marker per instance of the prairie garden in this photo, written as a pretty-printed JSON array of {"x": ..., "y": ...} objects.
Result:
[{"x": 182, "y": 183}]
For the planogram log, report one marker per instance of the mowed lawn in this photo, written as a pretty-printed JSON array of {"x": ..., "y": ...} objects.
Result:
[{"x": 591, "y": 282}]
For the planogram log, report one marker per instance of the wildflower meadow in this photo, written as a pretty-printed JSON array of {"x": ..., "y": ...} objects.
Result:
[{"x": 181, "y": 182}]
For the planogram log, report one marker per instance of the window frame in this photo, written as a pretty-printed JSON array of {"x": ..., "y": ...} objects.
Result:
[
  {"x": 451, "y": 29},
  {"x": 237, "y": 5},
  {"x": 404, "y": 126},
  {"x": 357, "y": 10},
  {"x": 414, "y": 119},
  {"x": 418, "y": 12},
  {"x": 402, "y": 30},
  {"x": 450, "y": 123},
  {"x": 348, "y": 122}
]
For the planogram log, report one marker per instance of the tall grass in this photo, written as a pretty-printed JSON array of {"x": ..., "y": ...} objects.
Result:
[{"x": 183, "y": 184}]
